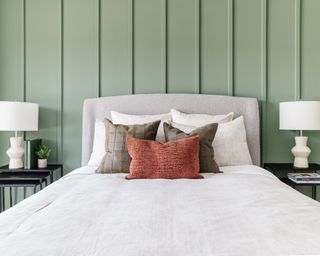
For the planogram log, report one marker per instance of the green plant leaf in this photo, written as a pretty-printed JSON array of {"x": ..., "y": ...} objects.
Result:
[{"x": 43, "y": 151}]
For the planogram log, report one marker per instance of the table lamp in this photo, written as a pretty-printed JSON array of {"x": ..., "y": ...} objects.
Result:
[
  {"x": 18, "y": 116},
  {"x": 301, "y": 116}
]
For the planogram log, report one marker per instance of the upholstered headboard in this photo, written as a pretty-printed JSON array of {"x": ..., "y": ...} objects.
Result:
[{"x": 99, "y": 108}]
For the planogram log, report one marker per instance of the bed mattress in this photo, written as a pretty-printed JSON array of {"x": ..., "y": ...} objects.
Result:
[{"x": 244, "y": 211}]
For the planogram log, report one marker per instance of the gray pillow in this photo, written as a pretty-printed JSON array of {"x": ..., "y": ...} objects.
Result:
[
  {"x": 206, "y": 135},
  {"x": 116, "y": 158}
]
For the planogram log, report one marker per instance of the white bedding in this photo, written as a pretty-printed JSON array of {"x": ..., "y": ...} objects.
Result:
[{"x": 244, "y": 211}]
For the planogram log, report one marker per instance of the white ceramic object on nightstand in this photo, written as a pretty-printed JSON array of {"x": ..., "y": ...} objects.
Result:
[
  {"x": 42, "y": 163},
  {"x": 300, "y": 116},
  {"x": 301, "y": 152},
  {"x": 15, "y": 153}
]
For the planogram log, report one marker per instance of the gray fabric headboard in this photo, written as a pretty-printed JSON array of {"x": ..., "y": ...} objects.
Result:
[{"x": 99, "y": 108}]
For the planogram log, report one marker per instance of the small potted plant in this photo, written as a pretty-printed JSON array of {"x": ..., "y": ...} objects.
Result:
[{"x": 43, "y": 152}]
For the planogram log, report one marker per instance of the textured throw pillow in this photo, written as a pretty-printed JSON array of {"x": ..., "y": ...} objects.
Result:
[
  {"x": 170, "y": 160},
  {"x": 116, "y": 158},
  {"x": 126, "y": 119},
  {"x": 199, "y": 120},
  {"x": 230, "y": 143},
  {"x": 206, "y": 136}
]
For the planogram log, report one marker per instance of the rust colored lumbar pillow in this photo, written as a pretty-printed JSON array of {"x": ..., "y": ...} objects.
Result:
[{"x": 170, "y": 160}]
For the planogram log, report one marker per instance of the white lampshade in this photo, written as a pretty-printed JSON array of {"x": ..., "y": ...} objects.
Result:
[
  {"x": 300, "y": 115},
  {"x": 18, "y": 116}
]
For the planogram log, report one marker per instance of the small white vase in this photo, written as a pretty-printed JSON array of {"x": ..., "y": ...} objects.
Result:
[
  {"x": 301, "y": 152},
  {"x": 42, "y": 163}
]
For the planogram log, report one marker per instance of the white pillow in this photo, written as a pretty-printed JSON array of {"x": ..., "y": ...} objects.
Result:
[
  {"x": 230, "y": 143},
  {"x": 98, "y": 149},
  {"x": 199, "y": 120},
  {"x": 125, "y": 119}
]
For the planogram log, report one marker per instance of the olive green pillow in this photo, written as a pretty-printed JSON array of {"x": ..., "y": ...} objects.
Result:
[
  {"x": 117, "y": 159},
  {"x": 206, "y": 135}
]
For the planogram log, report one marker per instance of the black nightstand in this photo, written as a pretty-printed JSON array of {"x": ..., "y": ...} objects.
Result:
[
  {"x": 25, "y": 178},
  {"x": 281, "y": 170}
]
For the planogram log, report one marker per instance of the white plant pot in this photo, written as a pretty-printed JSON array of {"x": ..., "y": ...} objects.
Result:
[{"x": 42, "y": 163}]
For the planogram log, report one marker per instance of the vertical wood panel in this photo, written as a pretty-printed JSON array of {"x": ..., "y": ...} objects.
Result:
[
  {"x": 182, "y": 47},
  {"x": 207, "y": 46},
  {"x": 310, "y": 50},
  {"x": 215, "y": 51},
  {"x": 11, "y": 65},
  {"x": 11, "y": 60},
  {"x": 310, "y": 63},
  {"x": 116, "y": 47},
  {"x": 281, "y": 76},
  {"x": 43, "y": 69},
  {"x": 247, "y": 48},
  {"x": 148, "y": 46},
  {"x": 80, "y": 72}
]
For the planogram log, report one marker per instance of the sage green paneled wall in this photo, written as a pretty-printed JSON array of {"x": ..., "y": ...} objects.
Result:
[{"x": 59, "y": 52}]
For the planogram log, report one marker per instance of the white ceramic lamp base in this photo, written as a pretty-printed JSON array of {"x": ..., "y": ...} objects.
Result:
[
  {"x": 15, "y": 153},
  {"x": 301, "y": 152}
]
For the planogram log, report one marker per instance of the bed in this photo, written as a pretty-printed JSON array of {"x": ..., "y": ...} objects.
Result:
[{"x": 244, "y": 211}]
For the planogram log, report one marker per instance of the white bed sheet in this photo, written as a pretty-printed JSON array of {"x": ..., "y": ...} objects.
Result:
[{"x": 244, "y": 211}]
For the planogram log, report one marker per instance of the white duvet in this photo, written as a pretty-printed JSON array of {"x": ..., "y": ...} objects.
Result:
[{"x": 244, "y": 211}]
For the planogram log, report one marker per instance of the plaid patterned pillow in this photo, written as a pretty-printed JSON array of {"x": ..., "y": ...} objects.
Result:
[
  {"x": 206, "y": 134},
  {"x": 117, "y": 159}
]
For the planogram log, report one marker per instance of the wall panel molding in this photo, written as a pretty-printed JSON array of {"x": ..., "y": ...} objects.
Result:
[
  {"x": 24, "y": 51},
  {"x": 131, "y": 45},
  {"x": 197, "y": 36},
  {"x": 263, "y": 48},
  {"x": 230, "y": 46},
  {"x": 297, "y": 48},
  {"x": 164, "y": 46},
  {"x": 268, "y": 49},
  {"x": 60, "y": 155},
  {"x": 263, "y": 77},
  {"x": 99, "y": 46}
]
